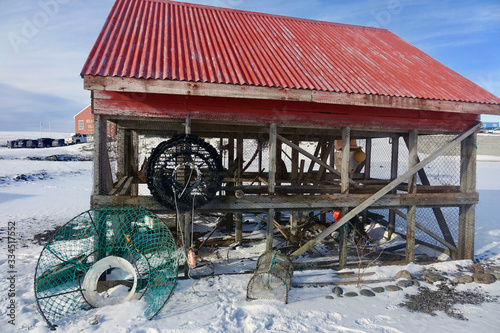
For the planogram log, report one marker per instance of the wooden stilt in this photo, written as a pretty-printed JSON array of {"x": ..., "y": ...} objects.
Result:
[
  {"x": 412, "y": 189},
  {"x": 344, "y": 172},
  {"x": 273, "y": 132},
  {"x": 394, "y": 175},
  {"x": 467, "y": 213}
]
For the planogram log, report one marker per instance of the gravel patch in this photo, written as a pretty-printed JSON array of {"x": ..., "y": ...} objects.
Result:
[{"x": 444, "y": 299}]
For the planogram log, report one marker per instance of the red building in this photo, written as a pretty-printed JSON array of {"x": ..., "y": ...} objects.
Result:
[{"x": 84, "y": 121}]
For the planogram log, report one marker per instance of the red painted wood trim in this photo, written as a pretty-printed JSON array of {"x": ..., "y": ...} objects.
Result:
[{"x": 282, "y": 112}]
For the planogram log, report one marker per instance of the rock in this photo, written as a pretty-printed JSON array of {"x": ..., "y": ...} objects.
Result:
[
  {"x": 367, "y": 293},
  {"x": 351, "y": 294},
  {"x": 477, "y": 268},
  {"x": 94, "y": 320},
  {"x": 338, "y": 291},
  {"x": 378, "y": 289},
  {"x": 483, "y": 278},
  {"x": 416, "y": 283},
  {"x": 404, "y": 274},
  {"x": 392, "y": 288},
  {"x": 496, "y": 275},
  {"x": 495, "y": 268},
  {"x": 459, "y": 267},
  {"x": 463, "y": 279},
  {"x": 329, "y": 297},
  {"x": 404, "y": 283},
  {"x": 431, "y": 277}
]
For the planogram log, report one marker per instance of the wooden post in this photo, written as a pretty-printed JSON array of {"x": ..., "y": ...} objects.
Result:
[
  {"x": 344, "y": 190},
  {"x": 368, "y": 159},
  {"x": 273, "y": 131},
  {"x": 294, "y": 215},
  {"x": 412, "y": 189},
  {"x": 134, "y": 161},
  {"x": 230, "y": 166},
  {"x": 394, "y": 175},
  {"x": 103, "y": 181},
  {"x": 120, "y": 153},
  {"x": 238, "y": 225},
  {"x": 468, "y": 158},
  {"x": 186, "y": 225}
]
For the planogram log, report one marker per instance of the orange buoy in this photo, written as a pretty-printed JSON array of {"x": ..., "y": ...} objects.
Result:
[
  {"x": 336, "y": 215},
  {"x": 191, "y": 258}
]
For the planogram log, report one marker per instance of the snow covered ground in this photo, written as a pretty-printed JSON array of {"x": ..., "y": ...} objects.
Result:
[{"x": 52, "y": 192}]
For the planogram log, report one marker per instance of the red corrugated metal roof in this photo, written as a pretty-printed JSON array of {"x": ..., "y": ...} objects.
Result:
[{"x": 166, "y": 40}]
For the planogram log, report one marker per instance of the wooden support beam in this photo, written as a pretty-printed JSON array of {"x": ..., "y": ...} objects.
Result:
[
  {"x": 238, "y": 221},
  {"x": 394, "y": 175},
  {"x": 344, "y": 190},
  {"x": 325, "y": 154},
  {"x": 119, "y": 185},
  {"x": 294, "y": 215},
  {"x": 412, "y": 189},
  {"x": 273, "y": 132},
  {"x": 316, "y": 153},
  {"x": 238, "y": 234},
  {"x": 257, "y": 203},
  {"x": 468, "y": 157},
  {"x": 230, "y": 166},
  {"x": 368, "y": 159},
  {"x": 377, "y": 196},
  {"x": 103, "y": 181}
]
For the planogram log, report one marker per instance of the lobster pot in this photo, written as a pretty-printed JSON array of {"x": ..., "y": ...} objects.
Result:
[{"x": 272, "y": 278}]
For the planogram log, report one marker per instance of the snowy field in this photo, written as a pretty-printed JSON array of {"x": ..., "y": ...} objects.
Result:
[{"x": 38, "y": 195}]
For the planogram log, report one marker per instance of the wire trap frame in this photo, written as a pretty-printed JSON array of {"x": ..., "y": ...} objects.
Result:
[
  {"x": 184, "y": 172},
  {"x": 272, "y": 278},
  {"x": 103, "y": 257}
]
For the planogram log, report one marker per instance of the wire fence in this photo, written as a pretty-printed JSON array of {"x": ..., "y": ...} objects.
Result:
[{"x": 220, "y": 255}]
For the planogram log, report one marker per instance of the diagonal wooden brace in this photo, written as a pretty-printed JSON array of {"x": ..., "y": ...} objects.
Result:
[{"x": 368, "y": 202}]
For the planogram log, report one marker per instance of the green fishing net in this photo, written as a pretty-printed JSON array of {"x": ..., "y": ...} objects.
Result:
[{"x": 103, "y": 257}]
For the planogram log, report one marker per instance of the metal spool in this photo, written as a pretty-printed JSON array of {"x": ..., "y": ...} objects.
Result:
[
  {"x": 184, "y": 172},
  {"x": 272, "y": 278},
  {"x": 75, "y": 267}
]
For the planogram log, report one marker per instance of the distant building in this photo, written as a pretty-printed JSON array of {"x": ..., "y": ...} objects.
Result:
[
  {"x": 490, "y": 125},
  {"x": 84, "y": 121}
]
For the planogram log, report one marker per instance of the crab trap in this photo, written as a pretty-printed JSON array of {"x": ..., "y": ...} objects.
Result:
[
  {"x": 103, "y": 257},
  {"x": 272, "y": 278}
]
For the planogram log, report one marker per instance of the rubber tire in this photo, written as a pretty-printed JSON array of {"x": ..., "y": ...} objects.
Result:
[{"x": 161, "y": 172}]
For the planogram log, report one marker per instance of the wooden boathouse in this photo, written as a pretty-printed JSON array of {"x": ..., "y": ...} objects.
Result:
[{"x": 297, "y": 92}]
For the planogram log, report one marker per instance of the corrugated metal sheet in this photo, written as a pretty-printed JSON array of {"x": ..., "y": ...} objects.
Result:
[{"x": 166, "y": 40}]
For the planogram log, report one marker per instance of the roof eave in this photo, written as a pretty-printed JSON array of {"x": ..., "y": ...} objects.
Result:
[{"x": 120, "y": 84}]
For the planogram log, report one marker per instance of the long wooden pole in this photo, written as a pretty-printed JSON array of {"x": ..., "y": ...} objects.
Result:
[
  {"x": 368, "y": 202},
  {"x": 273, "y": 132}
]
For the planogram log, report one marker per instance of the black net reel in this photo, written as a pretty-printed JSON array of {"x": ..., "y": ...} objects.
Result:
[{"x": 184, "y": 172}]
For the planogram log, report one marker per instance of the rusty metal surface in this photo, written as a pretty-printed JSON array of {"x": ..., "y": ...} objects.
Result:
[{"x": 167, "y": 40}]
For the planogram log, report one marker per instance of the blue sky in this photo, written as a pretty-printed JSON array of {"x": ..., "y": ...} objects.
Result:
[{"x": 44, "y": 44}]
